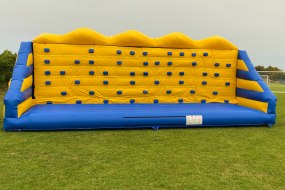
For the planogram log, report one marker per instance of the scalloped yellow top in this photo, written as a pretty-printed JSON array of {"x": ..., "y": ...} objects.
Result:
[{"x": 86, "y": 36}]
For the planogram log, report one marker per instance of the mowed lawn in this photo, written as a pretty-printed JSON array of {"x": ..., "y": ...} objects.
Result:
[{"x": 204, "y": 158}]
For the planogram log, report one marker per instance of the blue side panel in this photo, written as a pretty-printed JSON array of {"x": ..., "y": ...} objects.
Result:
[
  {"x": 248, "y": 75},
  {"x": 253, "y": 95},
  {"x": 100, "y": 116},
  {"x": 26, "y": 47},
  {"x": 252, "y": 74},
  {"x": 20, "y": 72},
  {"x": 14, "y": 96}
]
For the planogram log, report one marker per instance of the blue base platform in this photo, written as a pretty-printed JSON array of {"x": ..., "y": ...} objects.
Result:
[{"x": 111, "y": 116}]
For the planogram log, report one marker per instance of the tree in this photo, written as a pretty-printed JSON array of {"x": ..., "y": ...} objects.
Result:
[
  {"x": 260, "y": 68},
  {"x": 7, "y": 58},
  {"x": 269, "y": 68},
  {"x": 7, "y": 61}
]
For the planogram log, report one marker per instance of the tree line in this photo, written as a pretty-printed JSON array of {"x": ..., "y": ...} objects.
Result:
[{"x": 8, "y": 59}]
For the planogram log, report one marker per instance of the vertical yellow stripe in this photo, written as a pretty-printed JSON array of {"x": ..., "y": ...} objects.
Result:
[
  {"x": 30, "y": 60},
  {"x": 262, "y": 106},
  {"x": 249, "y": 85},
  {"x": 25, "y": 105},
  {"x": 241, "y": 65},
  {"x": 27, "y": 83}
]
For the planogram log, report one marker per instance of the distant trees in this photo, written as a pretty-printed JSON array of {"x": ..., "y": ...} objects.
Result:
[
  {"x": 7, "y": 61},
  {"x": 269, "y": 68},
  {"x": 273, "y": 76}
]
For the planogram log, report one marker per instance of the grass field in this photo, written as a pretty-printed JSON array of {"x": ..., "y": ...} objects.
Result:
[{"x": 205, "y": 158}]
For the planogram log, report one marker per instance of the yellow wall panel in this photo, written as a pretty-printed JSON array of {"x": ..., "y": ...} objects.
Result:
[{"x": 62, "y": 75}]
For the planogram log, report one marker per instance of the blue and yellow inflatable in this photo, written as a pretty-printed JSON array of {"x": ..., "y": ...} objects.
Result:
[{"x": 85, "y": 80}]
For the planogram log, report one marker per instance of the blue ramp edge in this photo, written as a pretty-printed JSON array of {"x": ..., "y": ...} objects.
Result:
[
  {"x": 111, "y": 116},
  {"x": 252, "y": 74}
]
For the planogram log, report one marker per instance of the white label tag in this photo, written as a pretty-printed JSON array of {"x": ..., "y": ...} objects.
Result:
[{"x": 194, "y": 119}]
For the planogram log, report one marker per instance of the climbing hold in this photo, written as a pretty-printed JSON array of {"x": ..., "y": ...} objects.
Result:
[{"x": 169, "y": 73}]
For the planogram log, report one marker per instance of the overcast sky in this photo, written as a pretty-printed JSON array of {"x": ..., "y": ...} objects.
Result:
[{"x": 255, "y": 25}]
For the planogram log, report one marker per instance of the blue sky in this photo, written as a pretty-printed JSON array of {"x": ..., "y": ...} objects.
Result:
[{"x": 256, "y": 26}]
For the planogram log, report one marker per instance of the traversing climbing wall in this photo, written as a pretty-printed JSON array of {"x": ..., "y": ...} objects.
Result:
[{"x": 97, "y": 74}]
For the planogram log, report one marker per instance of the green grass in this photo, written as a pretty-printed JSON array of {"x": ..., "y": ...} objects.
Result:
[{"x": 205, "y": 158}]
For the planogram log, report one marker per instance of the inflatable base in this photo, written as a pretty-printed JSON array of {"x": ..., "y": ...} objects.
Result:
[{"x": 112, "y": 116}]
